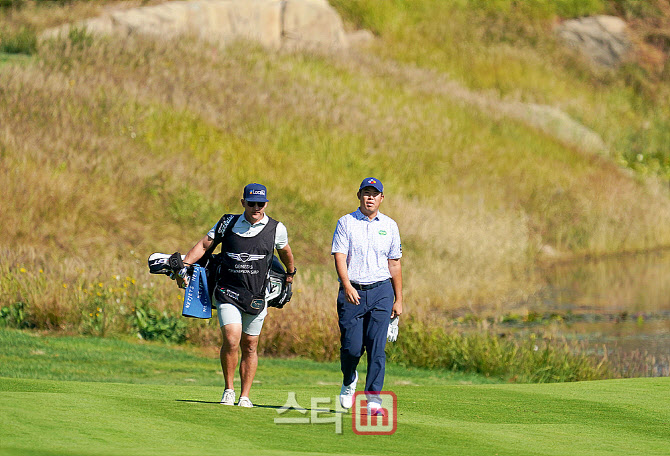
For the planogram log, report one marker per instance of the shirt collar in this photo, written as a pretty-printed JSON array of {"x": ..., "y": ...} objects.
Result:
[
  {"x": 262, "y": 221},
  {"x": 360, "y": 216}
]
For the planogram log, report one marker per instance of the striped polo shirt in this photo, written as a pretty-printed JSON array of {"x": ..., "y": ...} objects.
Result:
[{"x": 368, "y": 244}]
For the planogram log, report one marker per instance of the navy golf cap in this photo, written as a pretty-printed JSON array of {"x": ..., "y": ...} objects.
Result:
[
  {"x": 256, "y": 192},
  {"x": 372, "y": 182}
]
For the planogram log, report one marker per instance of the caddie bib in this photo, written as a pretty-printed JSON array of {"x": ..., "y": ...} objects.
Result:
[{"x": 243, "y": 267}]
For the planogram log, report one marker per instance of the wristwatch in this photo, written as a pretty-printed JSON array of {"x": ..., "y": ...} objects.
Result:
[{"x": 292, "y": 273}]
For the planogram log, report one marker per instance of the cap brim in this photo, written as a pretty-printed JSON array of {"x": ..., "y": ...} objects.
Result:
[{"x": 380, "y": 190}]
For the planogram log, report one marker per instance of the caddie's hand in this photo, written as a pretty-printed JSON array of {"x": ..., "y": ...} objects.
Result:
[
  {"x": 396, "y": 311},
  {"x": 392, "y": 334},
  {"x": 352, "y": 295},
  {"x": 183, "y": 278}
]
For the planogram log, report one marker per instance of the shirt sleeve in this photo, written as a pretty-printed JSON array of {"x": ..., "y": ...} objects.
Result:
[
  {"x": 340, "y": 238},
  {"x": 281, "y": 236},
  {"x": 395, "y": 252}
]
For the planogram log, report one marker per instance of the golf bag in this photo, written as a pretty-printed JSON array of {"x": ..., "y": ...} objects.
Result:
[{"x": 277, "y": 293}]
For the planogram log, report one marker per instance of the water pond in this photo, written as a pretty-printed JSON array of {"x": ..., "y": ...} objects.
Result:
[{"x": 617, "y": 305}]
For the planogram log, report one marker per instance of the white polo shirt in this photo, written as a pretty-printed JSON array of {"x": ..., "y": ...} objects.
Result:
[
  {"x": 246, "y": 229},
  {"x": 368, "y": 244}
]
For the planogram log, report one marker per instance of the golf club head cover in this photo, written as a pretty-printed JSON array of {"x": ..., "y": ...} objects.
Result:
[
  {"x": 392, "y": 334},
  {"x": 159, "y": 263},
  {"x": 175, "y": 262}
]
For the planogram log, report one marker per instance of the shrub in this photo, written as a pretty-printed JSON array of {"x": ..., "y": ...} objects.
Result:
[
  {"x": 15, "y": 316},
  {"x": 94, "y": 317},
  {"x": 80, "y": 37},
  {"x": 151, "y": 324},
  {"x": 533, "y": 358},
  {"x": 23, "y": 41}
]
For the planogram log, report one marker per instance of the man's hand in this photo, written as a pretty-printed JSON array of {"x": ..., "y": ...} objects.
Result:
[
  {"x": 396, "y": 311},
  {"x": 341, "y": 267},
  {"x": 392, "y": 334},
  {"x": 352, "y": 295}
]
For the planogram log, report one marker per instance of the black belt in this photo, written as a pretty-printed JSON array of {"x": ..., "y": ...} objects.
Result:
[{"x": 369, "y": 286}]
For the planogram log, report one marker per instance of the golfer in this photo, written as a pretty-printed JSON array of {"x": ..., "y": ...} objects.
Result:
[
  {"x": 248, "y": 241},
  {"x": 367, "y": 251}
]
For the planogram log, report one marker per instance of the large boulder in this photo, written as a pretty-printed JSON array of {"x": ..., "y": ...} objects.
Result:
[
  {"x": 273, "y": 23},
  {"x": 603, "y": 39},
  {"x": 312, "y": 23}
]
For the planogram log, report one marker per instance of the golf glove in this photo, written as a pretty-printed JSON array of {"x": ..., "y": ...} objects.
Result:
[
  {"x": 392, "y": 334},
  {"x": 183, "y": 273}
]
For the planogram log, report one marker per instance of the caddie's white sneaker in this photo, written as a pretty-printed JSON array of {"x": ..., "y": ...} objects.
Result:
[
  {"x": 347, "y": 393},
  {"x": 228, "y": 397},
  {"x": 244, "y": 402}
]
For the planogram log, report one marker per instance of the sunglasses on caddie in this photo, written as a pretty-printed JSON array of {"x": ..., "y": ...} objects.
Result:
[{"x": 255, "y": 203}]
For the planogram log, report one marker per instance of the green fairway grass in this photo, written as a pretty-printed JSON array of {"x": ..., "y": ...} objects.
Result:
[
  {"x": 146, "y": 399},
  {"x": 26, "y": 354},
  {"x": 592, "y": 418}
]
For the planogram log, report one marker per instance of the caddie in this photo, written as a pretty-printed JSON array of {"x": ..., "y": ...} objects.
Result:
[
  {"x": 367, "y": 250},
  {"x": 248, "y": 241}
]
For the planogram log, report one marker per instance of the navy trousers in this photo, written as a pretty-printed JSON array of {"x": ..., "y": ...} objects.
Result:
[{"x": 364, "y": 327}]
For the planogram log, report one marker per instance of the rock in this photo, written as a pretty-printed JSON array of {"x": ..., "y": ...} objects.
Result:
[
  {"x": 273, "y": 23},
  {"x": 360, "y": 37},
  {"x": 312, "y": 23},
  {"x": 555, "y": 123},
  {"x": 603, "y": 39},
  {"x": 548, "y": 251},
  {"x": 548, "y": 119}
]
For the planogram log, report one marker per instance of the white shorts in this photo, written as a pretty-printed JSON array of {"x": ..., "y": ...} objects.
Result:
[{"x": 251, "y": 324}]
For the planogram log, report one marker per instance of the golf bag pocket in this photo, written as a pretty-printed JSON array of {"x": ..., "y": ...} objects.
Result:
[
  {"x": 197, "y": 302},
  {"x": 241, "y": 298}
]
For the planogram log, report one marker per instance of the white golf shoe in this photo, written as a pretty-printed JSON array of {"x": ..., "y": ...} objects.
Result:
[
  {"x": 347, "y": 393},
  {"x": 244, "y": 402},
  {"x": 375, "y": 409},
  {"x": 228, "y": 397}
]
